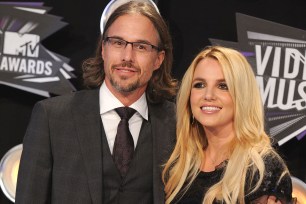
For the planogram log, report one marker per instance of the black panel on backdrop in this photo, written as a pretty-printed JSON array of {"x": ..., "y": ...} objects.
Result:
[
  {"x": 277, "y": 55},
  {"x": 24, "y": 63}
]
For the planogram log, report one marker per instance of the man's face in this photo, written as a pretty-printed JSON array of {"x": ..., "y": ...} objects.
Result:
[{"x": 127, "y": 70}]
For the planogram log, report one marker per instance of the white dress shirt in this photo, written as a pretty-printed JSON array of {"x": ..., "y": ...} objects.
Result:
[{"x": 110, "y": 119}]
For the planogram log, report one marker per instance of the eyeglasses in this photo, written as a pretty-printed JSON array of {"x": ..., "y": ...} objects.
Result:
[{"x": 137, "y": 46}]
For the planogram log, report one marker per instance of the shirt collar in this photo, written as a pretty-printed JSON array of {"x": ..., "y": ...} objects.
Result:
[{"x": 109, "y": 102}]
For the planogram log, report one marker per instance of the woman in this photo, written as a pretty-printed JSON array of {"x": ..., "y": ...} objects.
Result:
[{"x": 223, "y": 154}]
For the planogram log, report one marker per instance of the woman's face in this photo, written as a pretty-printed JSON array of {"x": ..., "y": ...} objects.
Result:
[{"x": 211, "y": 102}]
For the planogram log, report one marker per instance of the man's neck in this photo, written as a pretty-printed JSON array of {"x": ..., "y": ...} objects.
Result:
[{"x": 127, "y": 98}]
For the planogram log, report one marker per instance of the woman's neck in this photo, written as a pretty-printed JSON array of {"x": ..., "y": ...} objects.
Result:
[{"x": 217, "y": 150}]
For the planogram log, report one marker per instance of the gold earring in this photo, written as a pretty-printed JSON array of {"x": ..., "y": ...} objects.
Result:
[{"x": 193, "y": 120}]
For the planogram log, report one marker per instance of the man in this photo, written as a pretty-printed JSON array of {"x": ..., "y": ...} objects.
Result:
[{"x": 69, "y": 145}]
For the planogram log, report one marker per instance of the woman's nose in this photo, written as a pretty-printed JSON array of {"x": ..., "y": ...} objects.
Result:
[{"x": 209, "y": 94}]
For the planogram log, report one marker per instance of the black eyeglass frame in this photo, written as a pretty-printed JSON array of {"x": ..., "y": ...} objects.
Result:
[{"x": 132, "y": 43}]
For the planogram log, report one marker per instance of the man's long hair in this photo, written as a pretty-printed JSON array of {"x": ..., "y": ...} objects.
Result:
[{"x": 161, "y": 85}]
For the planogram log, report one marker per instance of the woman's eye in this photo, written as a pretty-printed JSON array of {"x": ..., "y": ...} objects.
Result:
[
  {"x": 223, "y": 86},
  {"x": 198, "y": 85}
]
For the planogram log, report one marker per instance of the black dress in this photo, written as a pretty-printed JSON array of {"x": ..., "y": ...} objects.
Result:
[{"x": 274, "y": 168}]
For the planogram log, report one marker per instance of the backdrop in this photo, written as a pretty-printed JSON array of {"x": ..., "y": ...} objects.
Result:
[{"x": 192, "y": 23}]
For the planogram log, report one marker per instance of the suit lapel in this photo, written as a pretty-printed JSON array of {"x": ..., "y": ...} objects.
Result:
[{"x": 86, "y": 115}]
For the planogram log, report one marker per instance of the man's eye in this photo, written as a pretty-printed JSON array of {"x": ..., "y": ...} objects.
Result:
[
  {"x": 141, "y": 47},
  {"x": 118, "y": 42},
  {"x": 223, "y": 86},
  {"x": 198, "y": 85}
]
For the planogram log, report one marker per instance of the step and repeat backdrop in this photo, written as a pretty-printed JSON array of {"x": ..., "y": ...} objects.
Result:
[{"x": 43, "y": 44}]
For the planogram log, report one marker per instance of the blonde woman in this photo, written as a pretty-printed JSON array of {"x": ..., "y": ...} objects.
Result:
[{"x": 223, "y": 154}]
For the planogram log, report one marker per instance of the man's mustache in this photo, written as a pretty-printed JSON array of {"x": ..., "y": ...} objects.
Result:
[{"x": 126, "y": 64}]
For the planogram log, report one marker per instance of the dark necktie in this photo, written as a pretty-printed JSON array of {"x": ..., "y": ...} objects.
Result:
[{"x": 124, "y": 145}]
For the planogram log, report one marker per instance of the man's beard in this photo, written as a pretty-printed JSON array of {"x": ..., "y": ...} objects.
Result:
[
  {"x": 128, "y": 88},
  {"x": 125, "y": 89}
]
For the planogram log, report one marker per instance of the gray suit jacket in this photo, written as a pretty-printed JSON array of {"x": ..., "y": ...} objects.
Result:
[{"x": 62, "y": 156}]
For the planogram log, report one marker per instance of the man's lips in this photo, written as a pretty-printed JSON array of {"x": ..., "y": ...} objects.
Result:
[{"x": 125, "y": 69}]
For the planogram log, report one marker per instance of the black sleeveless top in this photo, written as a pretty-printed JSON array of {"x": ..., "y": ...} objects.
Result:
[{"x": 270, "y": 186}]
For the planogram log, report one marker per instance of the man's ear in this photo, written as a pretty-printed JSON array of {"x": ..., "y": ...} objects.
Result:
[
  {"x": 159, "y": 60},
  {"x": 102, "y": 50}
]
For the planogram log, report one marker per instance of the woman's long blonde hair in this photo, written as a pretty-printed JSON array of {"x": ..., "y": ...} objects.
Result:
[{"x": 251, "y": 143}]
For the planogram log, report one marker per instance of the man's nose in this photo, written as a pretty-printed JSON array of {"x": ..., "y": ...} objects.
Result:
[{"x": 127, "y": 52}]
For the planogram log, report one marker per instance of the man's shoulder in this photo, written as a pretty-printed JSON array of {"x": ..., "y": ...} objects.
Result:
[
  {"x": 77, "y": 97},
  {"x": 165, "y": 104},
  {"x": 163, "y": 110}
]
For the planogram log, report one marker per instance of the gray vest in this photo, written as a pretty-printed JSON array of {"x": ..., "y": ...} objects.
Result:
[{"x": 137, "y": 186}]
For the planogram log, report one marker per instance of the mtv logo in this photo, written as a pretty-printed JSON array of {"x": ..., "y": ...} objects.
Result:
[{"x": 26, "y": 45}]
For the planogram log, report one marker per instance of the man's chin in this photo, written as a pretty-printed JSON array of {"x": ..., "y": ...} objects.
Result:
[{"x": 125, "y": 88}]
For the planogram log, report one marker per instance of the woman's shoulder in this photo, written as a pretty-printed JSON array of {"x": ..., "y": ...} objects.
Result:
[
  {"x": 274, "y": 162},
  {"x": 277, "y": 172},
  {"x": 276, "y": 179}
]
